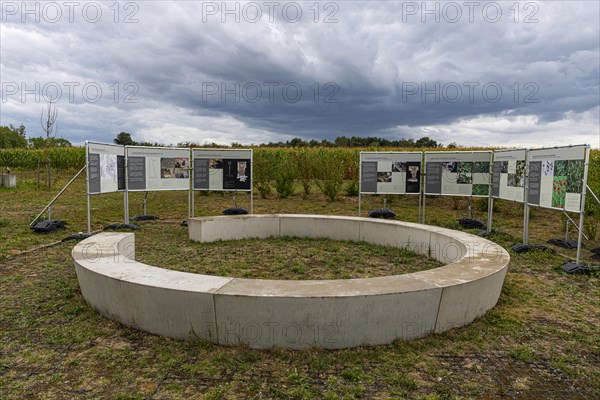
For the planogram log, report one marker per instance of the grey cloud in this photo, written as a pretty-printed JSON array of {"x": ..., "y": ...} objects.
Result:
[{"x": 371, "y": 55}]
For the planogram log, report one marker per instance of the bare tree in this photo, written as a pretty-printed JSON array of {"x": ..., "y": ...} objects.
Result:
[
  {"x": 49, "y": 124},
  {"x": 50, "y": 127}
]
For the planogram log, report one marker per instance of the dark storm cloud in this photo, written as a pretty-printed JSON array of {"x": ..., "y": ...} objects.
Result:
[{"x": 376, "y": 68}]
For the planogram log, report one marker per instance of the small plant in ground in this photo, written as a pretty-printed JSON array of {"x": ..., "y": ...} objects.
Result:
[
  {"x": 330, "y": 177},
  {"x": 353, "y": 374},
  {"x": 306, "y": 165},
  {"x": 590, "y": 227},
  {"x": 216, "y": 393},
  {"x": 455, "y": 202},
  {"x": 523, "y": 353},
  {"x": 284, "y": 185},
  {"x": 330, "y": 188},
  {"x": 262, "y": 175},
  {"x": 480, "y": 204},
  {"x": 352, "y": 188},
  {"x": 264, "y": 189},
  {"x": 285, "y": 175}
]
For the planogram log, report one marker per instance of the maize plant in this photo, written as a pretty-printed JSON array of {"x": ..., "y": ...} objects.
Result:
[{"x": 60, "y": 158}]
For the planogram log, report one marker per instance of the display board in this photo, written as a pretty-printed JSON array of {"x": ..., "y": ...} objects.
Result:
[
  {"x": 508, "y": 177},
  {"x": 157, "y": 168},
  {"x": 390, "y": 172},
  {"x": 556, "y": 177},
  {"x": 222, "y": 169},
  {"x": 106, "y": 167},
  {"x": 458, "y": 173}
]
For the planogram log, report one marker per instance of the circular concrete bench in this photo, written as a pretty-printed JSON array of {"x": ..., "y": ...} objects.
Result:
[{"x": 296, "y": 314}]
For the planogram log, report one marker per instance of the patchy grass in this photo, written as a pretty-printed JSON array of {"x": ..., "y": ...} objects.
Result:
[
  {"x": 540, "y": 341},
  {"x": 277, "y": 258}
]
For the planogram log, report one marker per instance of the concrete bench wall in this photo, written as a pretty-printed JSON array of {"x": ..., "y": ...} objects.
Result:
[{"x": 296, "y": 314}]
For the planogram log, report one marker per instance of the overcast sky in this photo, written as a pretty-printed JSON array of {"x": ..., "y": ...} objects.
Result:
[{"x": 476, "y": 73}]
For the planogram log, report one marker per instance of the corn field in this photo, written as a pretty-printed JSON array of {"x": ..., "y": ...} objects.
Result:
[
  {"x": 302, "y": 160},
  {"x": 62, "y": 158}
]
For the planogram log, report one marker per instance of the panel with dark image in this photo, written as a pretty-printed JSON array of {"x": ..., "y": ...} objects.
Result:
[
  {"x": 120, "y": 173},
  {"x": 496, "y": 172},
  {"x": 433, "y": 177},
  {"x": 450, "y": 166},
  {"x": 398, "y": 166},
  {"x": 136, "y": 173},
  {"x": 242, "y": 171},
  {"x": 229, "y": 174},
  {"x": 535, "y": 180},
  {"x": 94, "y": 173},
  {"x": 215, "y": 163},
  {"x": 413, "y": 177},
  {"x": 384, "y": 177},
  {"x": 520, "y": 175},
  {"x": 512, "y": 180},
  {"x": 174, "y": 168},
  {"x": 368, "y": 177},
  {"x": 200, "y": 173}
]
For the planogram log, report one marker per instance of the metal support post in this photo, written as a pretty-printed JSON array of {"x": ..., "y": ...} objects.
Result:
[
  {"x": 490, "y": 198},
  {"x": 572, "y": 222},
  {"x": 251, "y": 181},
  {"x": 526, "y": 201},
  {"x": 582, "y": 209},
  {"x": 145, "y": 203},
  {"x": 47, "y": 208},
  {"x": 126, "y": 192}
]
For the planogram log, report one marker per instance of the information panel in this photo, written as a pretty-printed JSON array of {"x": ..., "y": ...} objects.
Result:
[
  {"x": 508, "y": 178},
  {"x": 458, "y": 173},
  {"x": 158, "y": 168},
  {"x": 390, "y": 172},
  {"x": 556, "y": 177},
  {"x": 222, "y": 169},
  {"x": 106, "y": 167}
]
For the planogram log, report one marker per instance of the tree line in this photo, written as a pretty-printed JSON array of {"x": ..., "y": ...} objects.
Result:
[
  {"x": 356, "y": 141},
  {"x": 125, "y": 138},
  {"x": 11, "y": 137},
  {"x": 16, "y": 138}
]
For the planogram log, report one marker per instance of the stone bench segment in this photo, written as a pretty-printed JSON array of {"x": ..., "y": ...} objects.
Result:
[{"x": 296, "y": 314}]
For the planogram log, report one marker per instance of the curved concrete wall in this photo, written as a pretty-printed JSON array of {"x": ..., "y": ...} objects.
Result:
[{"x": 296, "y": 314}]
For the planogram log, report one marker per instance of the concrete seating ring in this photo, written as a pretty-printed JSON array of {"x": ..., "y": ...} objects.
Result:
[{"x": 330, "y": 314}]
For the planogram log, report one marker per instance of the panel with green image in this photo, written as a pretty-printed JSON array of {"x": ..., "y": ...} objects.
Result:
[
  {"x": 520, "y": 173},
  {"x": 481, "y": 190},
  {"x": 559, "y": 190},
  {"x": 465, "y": 172},
  {"x": 568, "y": 177},
  {"x": 480, "y": 167},
  {"x": 574, "y": 176},
  {"x": 560, "y": 167}
]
